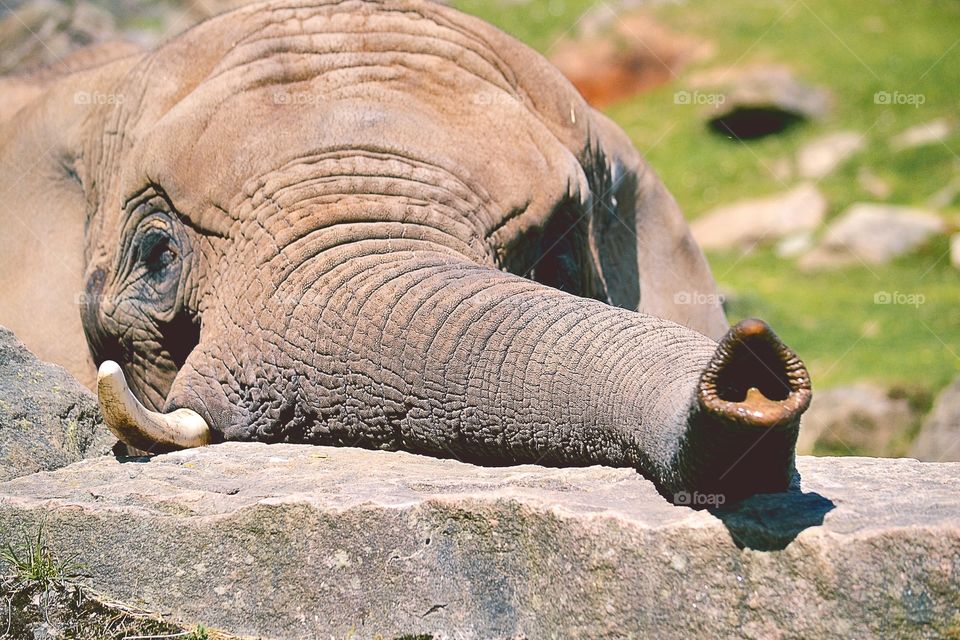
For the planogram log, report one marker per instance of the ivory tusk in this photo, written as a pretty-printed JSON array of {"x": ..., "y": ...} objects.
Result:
[{"x": 139, "y": 427}]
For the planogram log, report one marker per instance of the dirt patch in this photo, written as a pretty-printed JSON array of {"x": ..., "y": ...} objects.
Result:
[
  {"x": 745, "y": 103},
  {"x": 616, "y": 56},
  {"x": 77, "y": 613}
]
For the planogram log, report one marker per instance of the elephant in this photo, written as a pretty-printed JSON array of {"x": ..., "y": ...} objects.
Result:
[{"x": 382, "y": 224}]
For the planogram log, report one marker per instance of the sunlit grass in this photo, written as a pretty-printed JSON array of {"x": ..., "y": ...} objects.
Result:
[
  {"x": 843, "y": 326},
  {"x": 539, "y": 23},
  {"x": 37, "y": 566}
]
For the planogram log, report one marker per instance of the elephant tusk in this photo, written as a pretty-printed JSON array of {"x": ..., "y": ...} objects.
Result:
[{"x": 139, "y": 427}]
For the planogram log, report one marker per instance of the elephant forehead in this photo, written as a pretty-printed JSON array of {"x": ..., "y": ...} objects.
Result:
[
  {"x": 347, "y": 45},
  {"x": 250, "y": 92},
  {"x": 221, "y": 152},
  {"x": 342, "y": 37}
]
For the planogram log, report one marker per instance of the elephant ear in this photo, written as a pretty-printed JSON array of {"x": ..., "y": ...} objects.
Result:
[
  {"x": 45, "y": 124},
  {"x": 646, "y": 253}
]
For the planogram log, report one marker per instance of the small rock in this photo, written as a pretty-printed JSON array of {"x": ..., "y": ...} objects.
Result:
[
  {"x": 939, "y": 439},
  {"x": 44, "y": 631},
  {"x": 794, "y": 245},
  {"x": 873, "y": 233},
  {"x": 616, "y": 56},
  {"x": 923, "y": 134},
  {"x": 748, "y": 223},
  {"x": 945, "y": 196},
  {"x": 955, "y": 250},
  {"x": 873, "y": 184},
  {"x": 861, "y": 419},
  {"x": 782, "y": 169},
  {"x": 822, "y": 156}
]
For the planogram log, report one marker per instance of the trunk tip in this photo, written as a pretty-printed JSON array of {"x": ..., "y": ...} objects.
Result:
[{"x": 754, "y": 379}]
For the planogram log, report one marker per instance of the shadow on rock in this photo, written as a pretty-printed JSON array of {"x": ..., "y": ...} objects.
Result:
[{"x": 771, "y": 521}]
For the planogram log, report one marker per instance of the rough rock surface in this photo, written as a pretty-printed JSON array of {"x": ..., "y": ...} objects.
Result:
[
  {"x": 857, "y": 418},
  {"x": 873, "y": 233},
  {"x": 939, "y": 439},
  {"x": 747, "y": 223},
  {"x": 47, "y": 419},
  {"x": 289, "y": 541}
]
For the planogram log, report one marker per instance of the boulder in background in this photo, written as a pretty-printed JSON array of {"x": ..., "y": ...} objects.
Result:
[
  {"x": 939, "y": 439},
  {"x": 873, "y": 233},
  {"x": 860, "y": 418},
  {"x": 747, "y": 223}
]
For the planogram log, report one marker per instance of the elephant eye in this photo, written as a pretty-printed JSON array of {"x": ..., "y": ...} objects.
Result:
[{"x": 157, "y": 251}]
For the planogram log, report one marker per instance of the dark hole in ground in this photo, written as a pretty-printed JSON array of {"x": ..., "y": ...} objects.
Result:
[{"x": 750, "y": 123}]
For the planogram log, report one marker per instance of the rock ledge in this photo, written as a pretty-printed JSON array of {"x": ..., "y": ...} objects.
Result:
[{"x": 288, "y": 541}]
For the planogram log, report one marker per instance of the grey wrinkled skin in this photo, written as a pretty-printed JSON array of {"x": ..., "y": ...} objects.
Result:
[{"x": 381, "y": 224}]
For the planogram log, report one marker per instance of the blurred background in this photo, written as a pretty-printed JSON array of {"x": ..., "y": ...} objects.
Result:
[{"x": 813, "y": 144}]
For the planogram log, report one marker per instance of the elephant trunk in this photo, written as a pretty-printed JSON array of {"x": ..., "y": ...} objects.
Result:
[
  {"x": 743, "y": 426},
  {"x": 421, "y": 351}
]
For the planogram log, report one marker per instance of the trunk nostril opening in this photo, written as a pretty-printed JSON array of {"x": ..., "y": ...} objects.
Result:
[
  {"x": 744, "y": 425},
  {"x": 753, "y": 363},
  {"x": 754, "y": 378}
]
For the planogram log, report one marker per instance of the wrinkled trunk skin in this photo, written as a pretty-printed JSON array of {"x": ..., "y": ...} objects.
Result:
[{"x": 418, "y": 349}]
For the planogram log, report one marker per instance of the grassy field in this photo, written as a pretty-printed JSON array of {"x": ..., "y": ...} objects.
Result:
[{"x": 854, "y": 49}]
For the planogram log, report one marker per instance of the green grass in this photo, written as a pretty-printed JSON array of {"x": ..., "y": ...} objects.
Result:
[
  {"x": 830, "y": 44},
  {"x": 37, "y": 567},
  {"x": 835, "y": 323},
  {"x": 854, "y": 49},
  {"x": 37, "y": 586},
  {"x": 198, "y": 633},
  {"x": 539, "y": 23}
]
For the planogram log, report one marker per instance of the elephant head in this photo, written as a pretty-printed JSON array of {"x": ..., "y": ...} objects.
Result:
[{"x": 388, "y": 225}]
